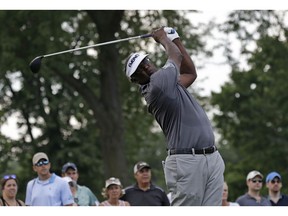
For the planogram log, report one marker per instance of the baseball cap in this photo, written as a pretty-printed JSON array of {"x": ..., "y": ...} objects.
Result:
[
  {"x": 38, "y": 156},
  {"x": 272, "y": 175},
  {"x": 69, "y": 165},
  {"x": 70, "y": 181},
  {"x": 133, "y": 62},
  {"x": 253, "y": 174},
  {"x": 112, "y": 181},
  {"x": 140, "y": 165},
  {"x": 67, "y": 179}
]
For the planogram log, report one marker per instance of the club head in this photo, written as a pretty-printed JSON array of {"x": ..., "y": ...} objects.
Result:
[{"x": 36, "y": 64}]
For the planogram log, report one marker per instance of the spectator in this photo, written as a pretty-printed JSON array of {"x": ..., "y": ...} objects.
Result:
[
  {"x": 253, "y": 197},
  {"x": 225, "y": 195},
  {"x": 47, "y": 189},
  {"x": 274, "y": 185},
  {"x": 9, "y": 186},
  {"x": 72, "y": 184},
  {"x": 112, "y": 192},
  {"x": 84, "y": 196},
  {"x": 144, "y": 192}
]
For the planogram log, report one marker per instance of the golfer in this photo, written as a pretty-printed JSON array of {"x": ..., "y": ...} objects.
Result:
[{"x": 193, "y": 167}]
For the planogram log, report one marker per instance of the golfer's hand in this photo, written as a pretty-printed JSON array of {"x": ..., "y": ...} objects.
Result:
[
  {"x": 159, "y": 34},
  {"x": 171, "y": 33}
]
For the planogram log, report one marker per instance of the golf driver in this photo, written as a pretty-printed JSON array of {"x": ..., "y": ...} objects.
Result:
[{"x": 36, "y": 62}]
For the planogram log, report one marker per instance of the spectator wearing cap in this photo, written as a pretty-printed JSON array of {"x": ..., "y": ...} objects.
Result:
[
  {"x": 72, "y": 184},
  {"x": 9, "y": 187},
  {"x": 48, "y": 189},
  {"x": 83, "y": 196},
  {"x": 274, "y": 185},
  {"x": 144, "y": 192},
  {"x": 112, "y": 192},
  {"x": 253, "y": 197}
]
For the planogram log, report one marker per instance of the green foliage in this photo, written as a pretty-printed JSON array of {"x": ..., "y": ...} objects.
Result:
[{"x": 252, "y": 116}]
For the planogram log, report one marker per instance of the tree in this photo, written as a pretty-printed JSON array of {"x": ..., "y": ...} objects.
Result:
[{"x": 252, "y": 107}]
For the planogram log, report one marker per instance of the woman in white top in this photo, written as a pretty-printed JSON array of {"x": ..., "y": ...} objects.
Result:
[
  {"x": 225, "y": 201},
  {"x": 113, "y": 192}
]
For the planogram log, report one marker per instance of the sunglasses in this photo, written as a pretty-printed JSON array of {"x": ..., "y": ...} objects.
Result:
[
  {"x": 41, "y": 163},
  {"x": 275, "y": 181},
  {"x": 6, "y": 177},
  {"x": 256, "y": 180}
]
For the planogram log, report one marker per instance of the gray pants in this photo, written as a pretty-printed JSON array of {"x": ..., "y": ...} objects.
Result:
[{"x": 195, "y": 180}]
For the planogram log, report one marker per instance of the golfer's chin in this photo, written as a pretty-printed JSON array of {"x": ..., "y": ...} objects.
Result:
[{"x": 144, "y": 81}]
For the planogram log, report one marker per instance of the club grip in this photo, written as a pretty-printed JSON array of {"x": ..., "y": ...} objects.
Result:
[{"x": 145, "y": 35}]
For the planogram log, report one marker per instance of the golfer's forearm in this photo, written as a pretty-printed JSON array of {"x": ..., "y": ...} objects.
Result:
[
  {"x": 172, "y": 51},
  {"x": 187, "y": 65}
]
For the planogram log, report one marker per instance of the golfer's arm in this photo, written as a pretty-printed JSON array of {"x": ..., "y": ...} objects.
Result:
[
  {"x": 187, "y": 70},
  {"x": 172, "y": 51}
]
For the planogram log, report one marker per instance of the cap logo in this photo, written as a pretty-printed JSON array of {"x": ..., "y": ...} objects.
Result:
[
  {"x": 133, "y": 60},
  {"x": 142, "y": 164}
]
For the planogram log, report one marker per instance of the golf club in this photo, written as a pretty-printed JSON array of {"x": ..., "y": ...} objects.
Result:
[{"x": 36, "y": 62}]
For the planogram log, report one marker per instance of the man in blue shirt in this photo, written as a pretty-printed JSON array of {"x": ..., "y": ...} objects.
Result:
[
  {"x": 274, "y": 185},
  {"x": 47, "y": 189}
]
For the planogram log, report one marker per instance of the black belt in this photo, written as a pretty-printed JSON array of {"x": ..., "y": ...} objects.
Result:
[{"x": 204, "y": 151}]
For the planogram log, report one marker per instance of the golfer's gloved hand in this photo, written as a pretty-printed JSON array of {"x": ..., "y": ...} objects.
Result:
[{"x": 171, "y": 33}]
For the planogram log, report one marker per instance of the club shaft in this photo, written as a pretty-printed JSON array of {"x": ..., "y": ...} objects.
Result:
[{"x": 97, "y": 45}]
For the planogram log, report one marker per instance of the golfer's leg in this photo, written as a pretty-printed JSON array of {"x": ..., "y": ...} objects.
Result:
[{"x": 214, "y": 189}]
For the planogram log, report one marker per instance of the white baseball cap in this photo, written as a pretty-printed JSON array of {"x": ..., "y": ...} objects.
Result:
[
  {"x": 70, "y": 181},
  {"x": 112, "y": 181},
  {"x": 253, "y": 174},
  {"x": 133, "y": 62},
  {"x": 67, "y": 179},
  {"x": 140, "y": 165},
  {"x": 38, "y": 156}
]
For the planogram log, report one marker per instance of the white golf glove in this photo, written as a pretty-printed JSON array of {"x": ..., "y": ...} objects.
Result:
[{"x": 171, "y": 33}]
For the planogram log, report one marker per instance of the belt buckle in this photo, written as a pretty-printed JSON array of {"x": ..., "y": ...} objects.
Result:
[
  {"x": 193, "y": 151},
  {"x": 169, "y": 152},
  {"x": 204, "y": 153}
]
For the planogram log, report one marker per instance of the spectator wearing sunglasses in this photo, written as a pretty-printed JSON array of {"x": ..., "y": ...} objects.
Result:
[
  {"x": 274, "y": 185},
  {"x": 9, "y": 186},
  {"x": 254, "y": 181},
  {"x": 48, "y": 189}
]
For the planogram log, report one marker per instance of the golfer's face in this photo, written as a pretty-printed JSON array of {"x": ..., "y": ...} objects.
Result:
[{"x": 143, "y": 72}]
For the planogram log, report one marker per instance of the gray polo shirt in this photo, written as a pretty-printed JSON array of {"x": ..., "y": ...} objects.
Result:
[
  {"x": 247, "y": 200},
  {"x": 183, "y": 121}
]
